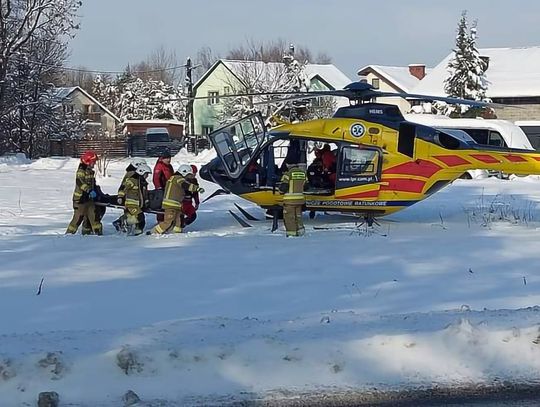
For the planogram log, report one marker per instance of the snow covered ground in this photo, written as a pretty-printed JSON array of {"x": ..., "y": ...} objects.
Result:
[{"x": 444, "y": 293}]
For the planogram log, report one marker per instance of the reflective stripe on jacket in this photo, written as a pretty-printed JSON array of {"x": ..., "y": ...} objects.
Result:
[
  {"x": 85, "y": 181},
  {"x": 175, "y": 190},
  {"x": 295, "y": 179},
  {"x": 122, "y": 187},
  {"x": 135, "y": 191}
]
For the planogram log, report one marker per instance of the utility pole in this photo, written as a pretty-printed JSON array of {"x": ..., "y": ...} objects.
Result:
[{"x": 190, "y": 119}]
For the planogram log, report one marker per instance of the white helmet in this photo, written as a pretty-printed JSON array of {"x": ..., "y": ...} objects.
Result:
[
  {"x": 143, "y": 169},
  {"x": 136, "y": 162},
  {"x": 185, "y": 169}
]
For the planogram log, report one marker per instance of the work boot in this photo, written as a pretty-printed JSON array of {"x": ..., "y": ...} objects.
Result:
[{"x": 117, "y": 225}]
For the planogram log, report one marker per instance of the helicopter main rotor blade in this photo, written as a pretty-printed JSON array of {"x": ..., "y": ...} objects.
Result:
[{"x": 359, "y": 91}]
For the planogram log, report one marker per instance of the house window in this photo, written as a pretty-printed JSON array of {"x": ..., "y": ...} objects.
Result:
[
  {"x": 68, "y": 109},
  {"x": 213, "y": 98},
  {"x": 375, "y": 83},
  {"x": 226, "y": 90},
  {"x": 206, "y": 130},
  {"x": 91, "y": 113}
]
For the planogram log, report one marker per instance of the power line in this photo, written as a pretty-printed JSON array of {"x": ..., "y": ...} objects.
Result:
[{"x": 66, "y": 68}]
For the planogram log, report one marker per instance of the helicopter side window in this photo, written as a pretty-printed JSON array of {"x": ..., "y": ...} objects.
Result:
[
  {"x": 357, "y": 161},
  {"x": 481, "y": 136},
  {"x": 495, "y": 139}
]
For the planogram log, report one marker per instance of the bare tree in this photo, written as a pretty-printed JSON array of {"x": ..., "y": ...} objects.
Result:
[
  {"x": 79, "y": 77},
  {"x": 21, "y": 20},
  {"x": 206, "y": 58},
  {"x": 323, "y": 58},
  {"x": 273, "y": 51},
  {"x": 161, "y": 65},
  {"x": 33, "y": 44},
  {"x": 266, "y": 77}
]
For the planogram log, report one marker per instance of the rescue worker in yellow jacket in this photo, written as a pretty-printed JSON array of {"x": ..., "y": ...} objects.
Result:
[
  {"x": 175, "y": 190},
  {"x": 83, "y": 196},
  {"x": 292, "y": 186},
  {"x": 120, "y": 224},
  {"x": 135, "y": 196}
]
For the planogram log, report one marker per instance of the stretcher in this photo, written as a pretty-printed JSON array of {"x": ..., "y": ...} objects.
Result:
[
  {"x": 116, "y": 206},
  {"x": 155, "y": 197}
]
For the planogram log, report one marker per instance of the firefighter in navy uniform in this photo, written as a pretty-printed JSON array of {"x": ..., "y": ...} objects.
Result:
[
  {"x": 292, "y": 186},
  {"x": 135, "y": 193},
  {"x": 173, "y": 197},
  {"x": 83, "y": 196}
]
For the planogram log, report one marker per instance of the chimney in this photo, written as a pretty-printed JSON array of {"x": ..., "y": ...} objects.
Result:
[{"x": 417, "y": 70}]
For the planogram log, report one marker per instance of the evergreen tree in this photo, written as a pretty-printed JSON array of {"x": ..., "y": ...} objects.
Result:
[
  {"x": 467, "y": 70},
  {"x": 132, "y": 98}
]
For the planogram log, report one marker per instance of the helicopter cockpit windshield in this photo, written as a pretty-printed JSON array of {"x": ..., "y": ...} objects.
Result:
[
  {"x": 459, "y": 134},
  {"x": 237, "y": 143},
  {"x": 453, "y": 139}
]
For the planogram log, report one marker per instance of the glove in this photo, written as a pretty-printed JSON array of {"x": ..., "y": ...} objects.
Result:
[
  {"x": 201, "y": 190},
  {"x": 92, "y": 194}
]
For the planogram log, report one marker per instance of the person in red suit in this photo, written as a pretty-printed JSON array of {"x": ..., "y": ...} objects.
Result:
[
  {"x": 163, "y": 170},
  {"x": 188, "y": 209},
  {"x": 329, "y": 163}
]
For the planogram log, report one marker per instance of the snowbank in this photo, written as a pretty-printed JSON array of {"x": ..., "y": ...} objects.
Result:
[
  {"x": 7, "y": 161},
  {"x": 183, "y": 157},
  {"x": 441, "y": 294}
]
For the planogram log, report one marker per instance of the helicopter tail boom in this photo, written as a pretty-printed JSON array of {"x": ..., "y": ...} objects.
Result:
[{"x": 520, "y": 162}]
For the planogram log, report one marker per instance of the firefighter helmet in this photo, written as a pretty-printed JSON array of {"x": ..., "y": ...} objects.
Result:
[
  {"x": 185, "y": 170},
  {"x": 136, "y": 162},
  {"x": 89, "y": 157},
  {"x": 143, "y": 169}
]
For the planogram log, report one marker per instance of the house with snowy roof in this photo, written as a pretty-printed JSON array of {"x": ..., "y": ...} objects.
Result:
[
  {"x": 227, "y": 76},
  {"x": 97, "y": 116},
  {"x": 394, "y": 79},
  {"x": 513, "y": 77}
]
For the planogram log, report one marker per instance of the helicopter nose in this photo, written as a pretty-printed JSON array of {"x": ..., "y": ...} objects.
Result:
[{"x": 206, "y": 173}]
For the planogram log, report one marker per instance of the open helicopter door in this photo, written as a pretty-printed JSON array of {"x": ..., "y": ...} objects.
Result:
[
  {"x": 237, "y": 143},
  {"x": 358, "y": 172}
]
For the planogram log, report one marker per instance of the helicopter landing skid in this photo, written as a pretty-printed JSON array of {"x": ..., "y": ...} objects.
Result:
[{"x": 369, "y": 220}]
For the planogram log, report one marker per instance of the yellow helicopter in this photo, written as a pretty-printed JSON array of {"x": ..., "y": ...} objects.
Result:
[{"x": 382, "y": 163}]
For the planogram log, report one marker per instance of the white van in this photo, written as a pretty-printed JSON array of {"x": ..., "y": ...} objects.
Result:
[
  {"x": 532, "y": 130},
  {"x": 491, "y": 132}
]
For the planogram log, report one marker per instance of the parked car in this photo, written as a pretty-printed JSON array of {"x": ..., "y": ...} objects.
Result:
[{"x": 157, "y": 141}]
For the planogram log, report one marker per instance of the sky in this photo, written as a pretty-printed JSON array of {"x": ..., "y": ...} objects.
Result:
[{"x": 354, "y": 33}]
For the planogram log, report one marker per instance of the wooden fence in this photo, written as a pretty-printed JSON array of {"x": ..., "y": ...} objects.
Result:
[
  {"x": 116, "y": 148},
  {"x": 136, "y": 146}
]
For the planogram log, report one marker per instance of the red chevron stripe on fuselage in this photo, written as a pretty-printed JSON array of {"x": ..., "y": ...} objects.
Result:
[{"x": 421, "y": 168}]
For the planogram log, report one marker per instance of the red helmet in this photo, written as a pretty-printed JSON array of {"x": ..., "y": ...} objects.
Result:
[
  {"x": 194, "y": 168},
  {"x": 89, "y": 157}
]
